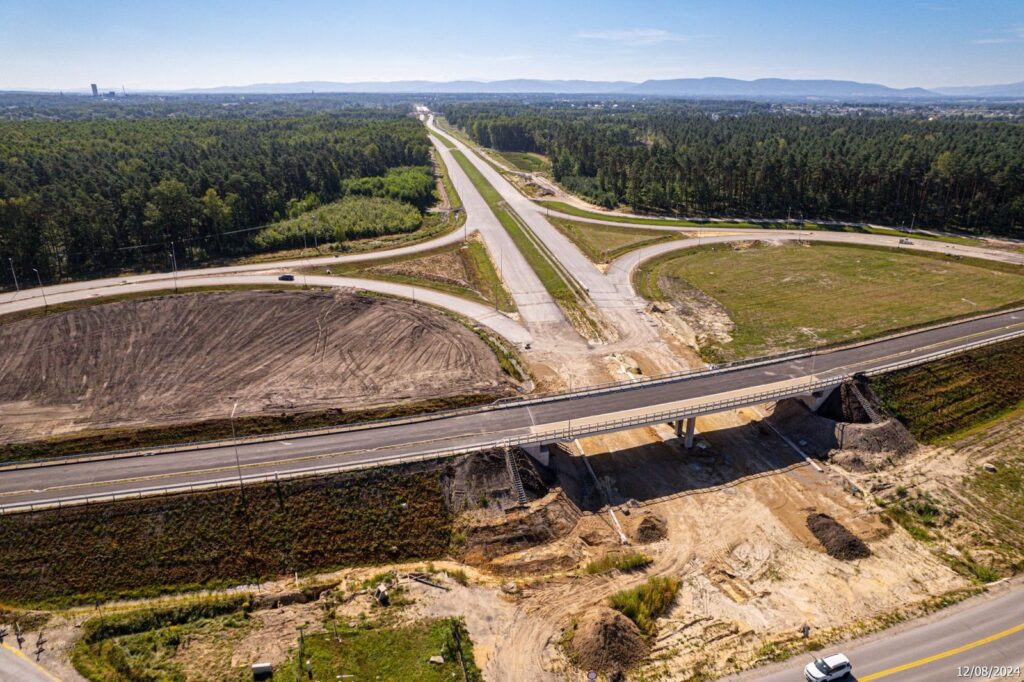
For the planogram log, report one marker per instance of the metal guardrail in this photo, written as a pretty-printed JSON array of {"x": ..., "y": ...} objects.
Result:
[
  {"x": 562, "y": 434},
  {"x": 500, "y": 404}
]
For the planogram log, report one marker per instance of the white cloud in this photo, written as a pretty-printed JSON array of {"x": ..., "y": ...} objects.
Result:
[
  {"x": 637, "y": 36},
  {"x": 1014, "y": 34}
]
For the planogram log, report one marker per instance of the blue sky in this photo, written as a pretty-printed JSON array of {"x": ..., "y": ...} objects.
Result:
[{"x": 199, "y": 43}]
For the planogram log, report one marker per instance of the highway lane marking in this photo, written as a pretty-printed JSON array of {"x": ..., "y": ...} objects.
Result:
[
  {"x": 253, "y": 465},
  {"x": 945, "y": 654},
  {"x": 21, "y": 654},
  {"x": 958, "y": 340}
]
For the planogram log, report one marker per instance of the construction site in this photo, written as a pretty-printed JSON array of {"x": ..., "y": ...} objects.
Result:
[{"x": 692, "y": 539}]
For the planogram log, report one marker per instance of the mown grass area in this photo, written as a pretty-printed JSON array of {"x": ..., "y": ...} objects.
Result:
[
  {"x": 370, "y": 652},
  {"x": 443, "y": 140},
  {"x": 644, "y": 603},
  {"x": 943, "y": 400},
  {"x": 462, "y": 269},
  {"x": 803, "y": 295},
  {"x": 152, "y": 546},
  {"x": 128, "y": 438},
  {"x": 143, "y": 644},
  {"x": 631, "y": 561},
  {"x": 550, "y": 277},
  {"x": 454, "y": 200},
  {"x": 605, "y": 243},
  {"x": 569, "y": 209},
  {"x": 527, "y": 161}
]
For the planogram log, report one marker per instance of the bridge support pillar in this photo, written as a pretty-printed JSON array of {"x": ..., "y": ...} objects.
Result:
[
  {"x": 539, "y": 452},
  {"x": 679, "y": 428},
  {"x": 815, "y": 400},
  {"x": 691, "y": 429}
]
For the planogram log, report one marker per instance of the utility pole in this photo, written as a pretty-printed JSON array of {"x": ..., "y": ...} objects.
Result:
[
  {"x": 238, "y": 463},
  {"x": 174, "y": 267},
  {"x": 41, "y": 289},
  {"x": 14, "y": 275}
]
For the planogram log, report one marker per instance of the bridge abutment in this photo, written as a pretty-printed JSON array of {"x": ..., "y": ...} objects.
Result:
[{"x": 539, "y": 451}]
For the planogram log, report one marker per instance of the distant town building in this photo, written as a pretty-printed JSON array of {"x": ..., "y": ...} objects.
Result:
[{"x": 95, "y": 91}]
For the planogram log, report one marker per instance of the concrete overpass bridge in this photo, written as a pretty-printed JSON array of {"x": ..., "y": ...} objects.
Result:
[{"x": 529, "y": 422}]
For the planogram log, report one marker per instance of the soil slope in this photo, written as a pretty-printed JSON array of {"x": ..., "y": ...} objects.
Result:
[{"x": 190, "y": 357}]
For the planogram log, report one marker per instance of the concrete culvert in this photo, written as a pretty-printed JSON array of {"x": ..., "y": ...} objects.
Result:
[
  {"x": 837, "y": 540},
  {"x": 605, "y": 640}
]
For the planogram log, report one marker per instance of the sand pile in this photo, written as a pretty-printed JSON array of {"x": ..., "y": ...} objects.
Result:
[
  {"x": 837, "y": 540},
  {"x": 646, "y": 527},
  {"x": 606, "y": 640}
]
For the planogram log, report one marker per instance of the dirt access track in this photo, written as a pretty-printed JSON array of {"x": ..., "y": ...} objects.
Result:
[{"x": 190, "y": 357}]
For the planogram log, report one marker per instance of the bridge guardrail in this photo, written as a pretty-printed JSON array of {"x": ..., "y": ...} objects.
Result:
[{"x": 554, "y": 435}]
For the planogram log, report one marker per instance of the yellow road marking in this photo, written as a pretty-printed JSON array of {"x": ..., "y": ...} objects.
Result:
[
  {"x": 21, "y": 654},
  {"x": 944, "y": 654}
]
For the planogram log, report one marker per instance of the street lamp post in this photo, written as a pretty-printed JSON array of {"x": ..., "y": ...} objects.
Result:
[
  {"x": 234, "y": 439},
  {"x": 174, "y": 267},
  {"x": 14, "y": 275},
  {"x": 42, "y": 290}
]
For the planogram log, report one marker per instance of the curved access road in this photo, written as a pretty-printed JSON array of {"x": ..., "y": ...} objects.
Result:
[
  {"x": 985, "y": 632},
  {"x": 526, "y": 421},
  {"x": 111, "y": 286},
  {"x": 622, "y": 268},
  {"x": 487, "y": 316},
  {"x": 17, "y": 665}
]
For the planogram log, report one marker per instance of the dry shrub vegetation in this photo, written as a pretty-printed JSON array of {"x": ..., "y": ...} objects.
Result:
[
  {"x": 941, "y": 399},
  {"x": 165, "y": 544}
]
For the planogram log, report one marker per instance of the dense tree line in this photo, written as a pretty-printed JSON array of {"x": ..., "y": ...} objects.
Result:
[
  {"x": 80, "y": 197},
  {"x": 953, "y": 172}
]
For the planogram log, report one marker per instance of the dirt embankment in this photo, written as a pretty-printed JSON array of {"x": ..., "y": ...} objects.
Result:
[{"x": 178, "y": 359}]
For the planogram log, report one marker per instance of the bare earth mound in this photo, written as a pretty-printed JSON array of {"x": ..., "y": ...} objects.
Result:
[
  {"x": 188, "y": 358},
  {"x": 607, "y": 640},
  {"x": 837, "y": 540}
]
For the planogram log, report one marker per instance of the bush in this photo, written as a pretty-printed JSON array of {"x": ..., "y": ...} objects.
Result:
[
  {"x": 117, "y": 625},
  {"x": 354, "y": 217},
  {"x": 644, "y": 603},
  {"x": 632, "y": 561}
]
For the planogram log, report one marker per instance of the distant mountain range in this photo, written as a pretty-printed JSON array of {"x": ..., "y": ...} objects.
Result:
[
  {"x": 1007, "y": 90},
  {"x": 726, "y": 88}
]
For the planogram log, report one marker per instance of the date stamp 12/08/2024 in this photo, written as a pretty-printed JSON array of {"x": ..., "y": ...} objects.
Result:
[{"x": 988, "y": 672}]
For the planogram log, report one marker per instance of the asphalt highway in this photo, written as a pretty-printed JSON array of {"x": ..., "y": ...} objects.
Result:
[
  {"x": 485, "y": 427},
  {"x": 982, "y": 638}
]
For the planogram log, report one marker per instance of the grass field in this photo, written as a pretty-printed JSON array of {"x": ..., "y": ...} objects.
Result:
[
  {"x": 461, "y": 269},
  {"x": 605, "y": 243},
  {"x": 792, "y": 296},
  {"x": 143, "y": 644},
  {"x": 526, "y": 161},
  {"x": 367, "y": 652}
]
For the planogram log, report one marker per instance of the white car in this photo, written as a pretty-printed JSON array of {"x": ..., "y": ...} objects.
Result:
[{"x": 828, "y": 669}]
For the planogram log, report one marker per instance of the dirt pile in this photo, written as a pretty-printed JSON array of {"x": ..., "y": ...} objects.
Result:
[
  {"x": 837, "y": 540},
  {"x": 488, "y": 537},
  {"x": 872, "y": 447},
  {"x": 187, "y": 358},
  {"x": 645, "y": 527},
  {"x": 604, "y": 640}
]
